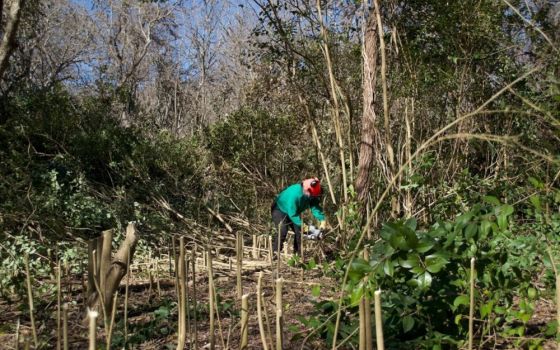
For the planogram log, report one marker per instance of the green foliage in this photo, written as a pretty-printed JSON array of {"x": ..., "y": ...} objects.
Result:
[
  {"x": 70, "y": 170},
  {"x": 424, "y": 277}
]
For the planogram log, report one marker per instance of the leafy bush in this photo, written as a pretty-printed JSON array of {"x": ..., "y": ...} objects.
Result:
[{"x": 424, "y": 277}]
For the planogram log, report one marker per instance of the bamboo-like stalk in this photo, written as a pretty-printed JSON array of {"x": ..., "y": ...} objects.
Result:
[
  {"x": 16, "y": 345},
  {"x": 30, "y": 301},
  {"x": 378, "y": 321},
  {"x": 103, "y": 269},
  {"x": 181, "y": 335},
  {"x": 557, "y": 307},
  {"x": 126, "y": 299},
  {"x": 211, "y": 305},
  {"x": 194, "y": 337},
  {"x": 254, "y": 252},
  {"x": 334, "y": 96},
  {"x": 98, "y": 250},
  {"x": 471, "y": 306},
  {"x": 408, "y": 153},
  {"x": 259, "y": 312},
  {"x": 362, "y": 315},
  {"x": 105, "y": 259},
  {"x": 175, "y": 266},
  {"x": 187, "y": 306},
  {"x": 244, "y": 322},
  {"x": 367, "y": 309},
  {"x": 58, "y": 308},
  {"x": 369, "y": 340},
  {"x": 96, "y": 283},
  {"x": 279, "y": 315},
  {"x": 158, "y": 285},
  {"x": 92, "y": 314},
  {"x": 111, "y": 321},
  {"x": 270, "y": 252},
  {"x": 278, "y": 252},
  {"x": 151, "y": 282},
  {"x": 239, "y": 266},
  {"x": 386, "y": 111},
  {"x": 65, "y": 326},
  {"x": 26, "y": 345},
  {"x": 169, "y": 255},
  {"x": 91, "y": 272}
]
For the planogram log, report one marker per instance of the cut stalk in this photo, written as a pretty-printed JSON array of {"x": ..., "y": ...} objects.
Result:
[
  {"x": 558, "y": 309},
  {"x": 471, "y": 306},
  {"x": 239, "y": 266},
  {"x": 279, "y": 316},
  {"x": 259, "y": 311},
  {"x": 378, "y": 321},
  {"x": 126, "y": 299},
  {"x": 244, "y": 322},
  {"x": 181, "y": 336},
  {"x": 195, "y": 330},
  {"x": 58, "y": 308},
  {"x": 65, "y": 326},
  {"x": 211, "y": 301},
  {"x": 30, "y": 301},
  {"x": 112, "y": 321},
  {"x": 16, "y": 345},
  {"x": 92, "y": 320}
]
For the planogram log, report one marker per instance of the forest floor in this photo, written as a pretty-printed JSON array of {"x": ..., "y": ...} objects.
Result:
[{"x": 152, "y": 311}]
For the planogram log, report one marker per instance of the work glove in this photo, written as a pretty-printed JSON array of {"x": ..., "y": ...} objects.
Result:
[
  {"x": 323, "y": 225},
  {"x": 304, "y": 228}
]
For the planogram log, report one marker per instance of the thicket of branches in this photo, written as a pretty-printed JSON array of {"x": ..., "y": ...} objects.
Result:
[{"x": 108, "y": 108}]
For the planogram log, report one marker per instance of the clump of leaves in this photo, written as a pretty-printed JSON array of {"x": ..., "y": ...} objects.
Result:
[{"x": 424, "y": 277}]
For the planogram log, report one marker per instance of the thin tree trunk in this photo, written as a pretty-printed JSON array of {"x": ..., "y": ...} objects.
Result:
[
  {"x": 368, "y": 132},
  {"x": 8, "y": 43},
  {"x": 118, "y": 268}
]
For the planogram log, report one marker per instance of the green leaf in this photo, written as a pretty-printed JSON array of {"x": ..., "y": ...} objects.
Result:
[
  {"x": 316, "y": 290},
  {"x": 532, "y": 293},
  {"x": 485, "y": 227},
  {"x": 536, "y": 202},
  {"x": 458, "y": 319},
  {"x": 434, "y": 263},
  {"x": 471, "y": 230},
  {"x": 424, "y": 246},
  {"x": 461, "y": 300},
  {"x": 358, "y": 269},
  {"x": 424, "y": 280},
  {"x": 408, "y": 323},
  {"x": 491, "y": 200},
  {"x": 413, "y": 260},
  {"x": 411, "y": 224},
  {"x": 356, "y": 295},
  {"x": 388, "y": 268},
  {"x": 486, "y": 309},
  {"x": 311, "y": 264},
  {"x": 536, "y": 183},
  {"x": 411, "y": 239}
]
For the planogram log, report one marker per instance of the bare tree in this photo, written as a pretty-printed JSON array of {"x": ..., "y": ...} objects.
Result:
[{"x": 10, "y": 30}]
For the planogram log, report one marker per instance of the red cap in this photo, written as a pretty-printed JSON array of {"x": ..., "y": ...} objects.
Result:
[{"x": 312, "y": 187}]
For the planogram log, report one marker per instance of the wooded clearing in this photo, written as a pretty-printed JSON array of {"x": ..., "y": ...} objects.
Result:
[{"x": 144, "y": 146}]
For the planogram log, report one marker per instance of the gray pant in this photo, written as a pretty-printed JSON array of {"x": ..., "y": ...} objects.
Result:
[{"x": 281, "y": 224}]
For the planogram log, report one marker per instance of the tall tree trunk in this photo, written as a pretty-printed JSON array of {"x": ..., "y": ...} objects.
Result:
[
  {"x": 369, "y": 131},
  {"x": 9, "y": 38}
]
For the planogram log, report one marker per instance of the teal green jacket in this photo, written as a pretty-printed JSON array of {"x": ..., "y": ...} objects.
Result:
[{"x": 292, "y": 202}]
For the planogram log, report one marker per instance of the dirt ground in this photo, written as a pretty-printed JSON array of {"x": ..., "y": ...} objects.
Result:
[{"x": 152, "y": 312}]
